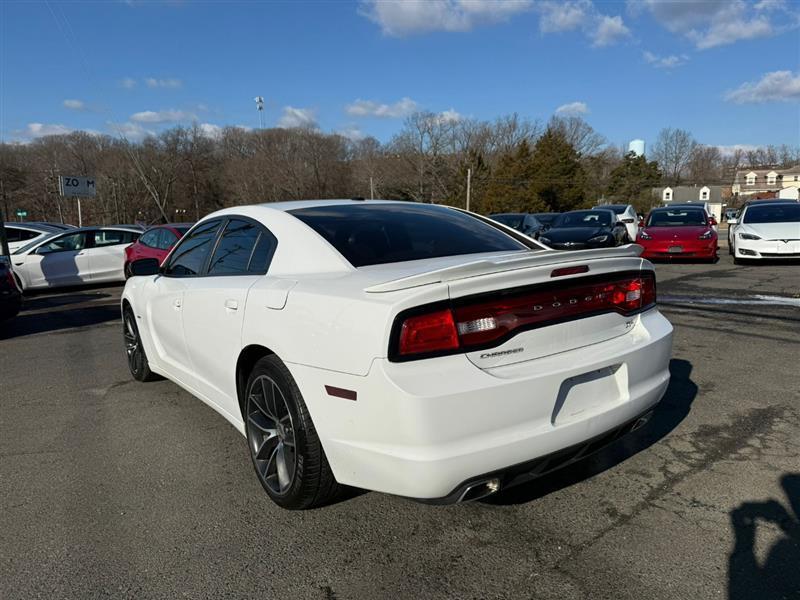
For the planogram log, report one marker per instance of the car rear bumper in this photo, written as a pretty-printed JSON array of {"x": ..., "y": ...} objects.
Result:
[{"x": 422, "y": 429}]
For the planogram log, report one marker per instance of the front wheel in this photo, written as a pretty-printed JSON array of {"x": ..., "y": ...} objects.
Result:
[
  {"x": 137, "y": 358},
  {"x": 284, "y": 447}
]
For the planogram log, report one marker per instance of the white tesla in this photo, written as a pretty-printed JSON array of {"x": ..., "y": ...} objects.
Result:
[
  {"x": 766, "y": 229},
  {"x": 406, "y": 348},
  {"x": 74, "y": 257}
]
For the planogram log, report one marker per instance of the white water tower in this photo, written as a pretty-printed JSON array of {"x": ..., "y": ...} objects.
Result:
[{"x": 637, "y": 147}]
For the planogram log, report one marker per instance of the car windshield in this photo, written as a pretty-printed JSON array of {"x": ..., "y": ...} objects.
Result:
[
  {"x": 676, "y": 218},
  {"x": 775, "y": 213},
  {"x": 546, "y": 218},
  {"x": 514, "y": 221},
  {"x": 583, "y": 218},
  {"x": 35, "y": 242},
  {"x": 373, "y": 234}
]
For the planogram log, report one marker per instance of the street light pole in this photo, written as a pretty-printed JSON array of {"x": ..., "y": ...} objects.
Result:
[{"x": 469, "y": 182}]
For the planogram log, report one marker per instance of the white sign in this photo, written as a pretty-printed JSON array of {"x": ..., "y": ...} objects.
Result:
[{"x": 76, "y": 186}]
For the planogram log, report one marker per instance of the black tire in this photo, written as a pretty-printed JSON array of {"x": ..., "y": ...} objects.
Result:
[
  {"x": 127, "y": 270},
  {"x": 280, "y": 430},
  {"x": 137, "y": 358}
]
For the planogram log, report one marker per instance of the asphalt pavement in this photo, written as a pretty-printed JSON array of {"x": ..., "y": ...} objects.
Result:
[{"x": 113, "y": 488}]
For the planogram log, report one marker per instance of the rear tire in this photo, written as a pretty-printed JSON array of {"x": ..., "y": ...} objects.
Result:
[
  {"x": 137, "y": 358},
  {"x": 284, "y": 446}
]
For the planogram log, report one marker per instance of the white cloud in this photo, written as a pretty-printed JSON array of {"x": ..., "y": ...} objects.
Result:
[
  {"x": 210, "y": 130},
  {"x": 711, "y": 23},
  {"x": 727, "y": 151},
  {"x": 777, "y": 86},
  {"x": 449, "y": 116},
  {"x": 74, "y": 104},
  {"x": 128, "y": 83},
  {"x": 152, "y": 82},
  {"x": 161, "y": 116},
  {"x": 573, "y": 109},
  {"x": 370, "y": 108},
  {"x": 570, "y": 15},
  {"x": 297, "y": 117},
  {"x": 351, "y": 132},
  {"x": 37, "y": 130},
  {"x": 665, "y": 62},
  {"x": 131, "y": 131},
  {"x": 563, "y": 16},
  {"x": 421, "y": 16},
  {"x": 609, "y": 30}
]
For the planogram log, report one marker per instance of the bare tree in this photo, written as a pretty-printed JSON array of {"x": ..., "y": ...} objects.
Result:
[{"x": 673, "y": 152}]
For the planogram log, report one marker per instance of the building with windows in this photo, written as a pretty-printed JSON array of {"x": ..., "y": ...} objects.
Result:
[
  {"x": 752, "y": 182},
  {"x": 716, "y": 196}
]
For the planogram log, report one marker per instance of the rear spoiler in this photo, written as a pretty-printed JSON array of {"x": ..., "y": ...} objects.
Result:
[{"x": 500, "y": 264}]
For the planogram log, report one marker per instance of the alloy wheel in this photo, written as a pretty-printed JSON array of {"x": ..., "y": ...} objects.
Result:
[
  {"x": 271, "y": 435},
  {"x": 133, "y": 346}
]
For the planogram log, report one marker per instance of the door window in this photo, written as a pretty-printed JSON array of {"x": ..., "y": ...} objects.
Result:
[
  {"x": 112, "y": 237},
  {"x": 150, "y": 239},
  {"x": 235, "y": 248},
  {"x": 166, "y": 239},
  {"x": 66, "y": 243},
  {"x": 189, "y": 257}
]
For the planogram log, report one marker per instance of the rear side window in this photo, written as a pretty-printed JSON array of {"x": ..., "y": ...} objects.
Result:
[
  {"x": 165, "y": 239},
  {"x": 373, "y": 234},
  {"x": 189, "y": 257},
  {"x": 20, "y": 235},
  {"x": 235, "y": 248},
  {"x": 150, "y": 239}
]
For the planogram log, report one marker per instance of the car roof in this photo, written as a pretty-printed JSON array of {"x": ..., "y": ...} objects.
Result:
[
  {"x": 682, "y": 206},
  {"x": 35, "y": 226},
  {"x": 611, "y": 206}
]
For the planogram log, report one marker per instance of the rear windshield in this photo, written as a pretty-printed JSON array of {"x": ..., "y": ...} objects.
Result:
[
  {"x": 374, "y": 234},
  {"x": 776, "y": 213},
  {"x": 676, "y": 218}
]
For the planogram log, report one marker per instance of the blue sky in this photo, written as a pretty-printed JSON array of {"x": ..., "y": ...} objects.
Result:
[{"x": 727, "y": 71}]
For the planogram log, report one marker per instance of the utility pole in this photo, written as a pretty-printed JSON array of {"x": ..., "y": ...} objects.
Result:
[
  {"x": 469, "y": 185},
  {"x": 371, "y": 190}
]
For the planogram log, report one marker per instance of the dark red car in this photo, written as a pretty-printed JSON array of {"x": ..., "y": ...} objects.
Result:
[
  {"x": 156, "y": 242},
  {"x": 678, "y": 232}
]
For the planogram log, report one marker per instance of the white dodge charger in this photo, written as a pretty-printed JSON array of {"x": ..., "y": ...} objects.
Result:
[{"x": 411, "y": 349}]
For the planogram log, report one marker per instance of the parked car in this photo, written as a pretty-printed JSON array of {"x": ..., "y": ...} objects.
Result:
[
  {"x": 523, "y": 222},
  {"x": 579, "y": 229},
  {"x": 61, "y": 226},
  {"x": 21, "y": 234},
  {"x": 74, "y": 257},
  {"x": 10, "y": 294},
  {"x": 678, "y": 232},
  {"x": 156, "y": 243},
  {"x": 547, "y": 219},
  {"x": 393, "y": 346},
  {"x": 731, "y": 213},
  {"x": 627, "y": 214},
  {"x": 768, "y": 230}
]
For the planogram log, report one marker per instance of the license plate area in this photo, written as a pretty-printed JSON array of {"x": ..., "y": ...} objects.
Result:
[
  {"x": 675, "y": 249},
  {"x": 589, "y": 393}
]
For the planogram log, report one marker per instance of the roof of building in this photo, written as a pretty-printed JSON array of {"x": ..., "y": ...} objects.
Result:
[{"x": 691, "y": 193}]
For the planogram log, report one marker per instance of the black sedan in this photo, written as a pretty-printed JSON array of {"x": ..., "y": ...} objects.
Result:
[
  {"x": 523, "y": 222},
  {"x": 579, "y": 229},
  {"x": 10, "y": 294}
]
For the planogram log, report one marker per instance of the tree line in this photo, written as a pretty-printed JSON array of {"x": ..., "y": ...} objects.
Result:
[{"x": 515, "y": 164}]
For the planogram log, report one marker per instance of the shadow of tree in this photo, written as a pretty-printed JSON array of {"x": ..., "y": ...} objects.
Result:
[
  {"x": 778, "y": 576},
  {"x": 669, "y": 413}
]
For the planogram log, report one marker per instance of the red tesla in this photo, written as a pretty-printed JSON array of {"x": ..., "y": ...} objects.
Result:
[
  {"x": 678, "y": 232},
  {"x": 156, "y": 242}
]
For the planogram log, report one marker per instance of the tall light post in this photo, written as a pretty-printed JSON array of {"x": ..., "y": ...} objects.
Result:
[{"x": 260, "y": 108}]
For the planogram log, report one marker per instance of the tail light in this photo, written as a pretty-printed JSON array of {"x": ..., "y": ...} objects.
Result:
[{"x": 473, "y": 324}]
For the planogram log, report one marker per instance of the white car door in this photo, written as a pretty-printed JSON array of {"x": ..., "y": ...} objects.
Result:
[
  {"x": 165, "y": 300},
  {"x": 214, "y": 305},
  {"x": 631, "y": 220},
  {"x": 57, "y": 262},
  {"x": 106, "y": 252}
]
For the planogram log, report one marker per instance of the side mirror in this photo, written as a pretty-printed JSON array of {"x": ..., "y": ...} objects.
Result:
[
  {"x": 712, "y": 221},
  {"x": 145, "y": 266},
  {"x": 42, "y": 250}
]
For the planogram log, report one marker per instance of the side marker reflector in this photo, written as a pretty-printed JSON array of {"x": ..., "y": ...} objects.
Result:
[{"x": 341, "y": 392}]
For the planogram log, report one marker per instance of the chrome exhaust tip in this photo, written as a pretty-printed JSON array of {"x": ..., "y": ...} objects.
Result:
[{"x": 481, "y": 489}]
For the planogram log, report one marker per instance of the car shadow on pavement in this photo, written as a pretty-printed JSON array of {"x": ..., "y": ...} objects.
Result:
[
  {"x": 47, "y": 314},
  {"x": 777, "y": 576},
  {"x": 669, "y": 413}
]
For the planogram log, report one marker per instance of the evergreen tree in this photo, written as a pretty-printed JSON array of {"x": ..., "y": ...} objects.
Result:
[
  {"x": 632, "y": 181},
  {"x": 509, "y": 189},
  {"x": 557, "y": 179}
]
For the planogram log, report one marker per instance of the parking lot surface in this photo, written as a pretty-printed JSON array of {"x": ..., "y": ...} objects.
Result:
[{"x": 112, "y": 488}]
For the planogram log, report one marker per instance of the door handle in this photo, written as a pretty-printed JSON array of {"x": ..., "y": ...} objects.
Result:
[{"x": 231, "y": 305}]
